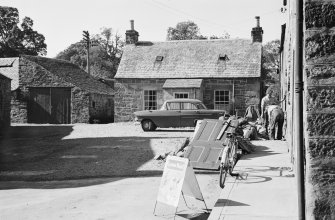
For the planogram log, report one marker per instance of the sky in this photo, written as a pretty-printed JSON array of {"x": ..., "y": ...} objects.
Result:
[{"x": 62, "y": 21}]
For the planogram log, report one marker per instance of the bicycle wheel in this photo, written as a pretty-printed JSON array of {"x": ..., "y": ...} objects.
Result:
[{"x": 224, "y": 167}]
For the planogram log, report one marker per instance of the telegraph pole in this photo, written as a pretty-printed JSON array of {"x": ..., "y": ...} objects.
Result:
[{"x": 87, "y": 41}]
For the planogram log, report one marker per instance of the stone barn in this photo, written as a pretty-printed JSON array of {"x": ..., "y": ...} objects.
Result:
[
  {"x": 224, "y": 74},
  {"x": 55, "y": 91},
  {"x": 4, "y": 102}
]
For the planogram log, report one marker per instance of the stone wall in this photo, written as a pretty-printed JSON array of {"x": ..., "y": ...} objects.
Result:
[
  {"x": 101, "y": 108},
  {"x": 129, "y": 94},
  {"x": 19, "y": 107},
  {"x": 80, "y": 101},
  {"x": 4, "y": 103},
  {"x": 319, "y": 103}
]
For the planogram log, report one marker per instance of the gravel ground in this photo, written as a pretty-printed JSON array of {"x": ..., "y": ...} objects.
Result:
[{"x": 64, "y": 152}]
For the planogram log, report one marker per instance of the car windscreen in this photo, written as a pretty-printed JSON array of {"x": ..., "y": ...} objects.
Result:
[{"x": 201, "y": 106}]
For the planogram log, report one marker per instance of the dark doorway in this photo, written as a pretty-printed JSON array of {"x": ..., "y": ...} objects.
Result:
[{"x": 49, "y": 105}]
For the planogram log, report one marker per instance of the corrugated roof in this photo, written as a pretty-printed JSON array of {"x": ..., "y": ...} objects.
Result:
[
  {"x": 71, "y": 73},
  {"x": 9, "y": 67},
  {"x": 191, "y": 59},
  {"x": 182, "y": 83}
]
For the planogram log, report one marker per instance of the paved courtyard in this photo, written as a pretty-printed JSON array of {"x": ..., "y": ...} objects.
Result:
[{"x": 108, "y": 172}]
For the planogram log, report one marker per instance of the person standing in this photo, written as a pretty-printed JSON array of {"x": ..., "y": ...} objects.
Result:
[
  {"x": 276, "y": 119},
  {"x": 267, "y": 100}
]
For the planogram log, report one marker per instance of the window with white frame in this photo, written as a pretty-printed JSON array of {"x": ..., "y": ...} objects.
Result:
[
  {"x": 181, "y": 95},
  {"x": 221, "y": 99},
  {"x": 150, "y": 99}
]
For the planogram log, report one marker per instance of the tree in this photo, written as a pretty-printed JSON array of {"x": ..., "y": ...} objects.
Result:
[
  {"x": 14, "y": 40},
  {"x": 225, "y": 35},
  {"x": 270, "y": 65},
  {"x": 270, "y": 61},
  {"x": 186, "y": 30},
  {"x": 105, "y": 55}
]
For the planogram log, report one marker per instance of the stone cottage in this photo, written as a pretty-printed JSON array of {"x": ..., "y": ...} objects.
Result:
[
  {"x": 4, "y": 102},
  {"x": 318, "y": 101},
  {"x": 224, "y": 74},
  {"x": 55, "y": 91}
]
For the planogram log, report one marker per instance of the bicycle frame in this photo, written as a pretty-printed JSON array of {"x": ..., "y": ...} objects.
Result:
[{"x": 228, "y": 158}]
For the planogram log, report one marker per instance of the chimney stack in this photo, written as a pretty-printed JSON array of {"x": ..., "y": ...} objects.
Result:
[
  {"x": 131, "y": 35},
  {"x": 257, "y": 32}
]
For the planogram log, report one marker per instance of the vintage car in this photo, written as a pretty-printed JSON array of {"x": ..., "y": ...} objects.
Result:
[{"x": 176, "y": 113}]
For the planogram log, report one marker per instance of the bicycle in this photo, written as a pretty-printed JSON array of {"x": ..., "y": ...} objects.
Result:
[{"x": 229, "y": 155}]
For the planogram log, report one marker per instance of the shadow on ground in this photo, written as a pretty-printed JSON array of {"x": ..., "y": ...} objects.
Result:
[
  {"x": 259, "y": 151},
  {"x": 195, "y": 216},
  {"x": 228, "y": 202},
  {"x": 35, "y": 154},
  {"x": 174, "y": 130}
]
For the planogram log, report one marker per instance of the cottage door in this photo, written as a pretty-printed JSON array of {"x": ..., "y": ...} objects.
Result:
[{"x": 61, "y": 105}]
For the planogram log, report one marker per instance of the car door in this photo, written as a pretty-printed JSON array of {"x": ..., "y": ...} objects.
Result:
[
  {"x": 170, "y": 117},
  {"x": 189, "y": 114}
]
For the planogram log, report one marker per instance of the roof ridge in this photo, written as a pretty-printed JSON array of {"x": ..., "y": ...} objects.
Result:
[{"x": 195, "y": 40}]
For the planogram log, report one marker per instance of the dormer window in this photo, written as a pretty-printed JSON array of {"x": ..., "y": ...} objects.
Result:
[
  {"x": 159, "y": 58},
  {"x": 223, "y": 57}
]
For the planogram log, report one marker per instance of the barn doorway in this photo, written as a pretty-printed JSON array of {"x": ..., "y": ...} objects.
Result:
[{"x": 49, "y": 105}]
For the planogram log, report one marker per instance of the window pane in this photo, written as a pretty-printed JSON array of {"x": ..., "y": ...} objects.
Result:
[
  {"x": 150, "y": 97},
  {"x": 221, "y": 98},
  {"x": 181, "y": 95}
]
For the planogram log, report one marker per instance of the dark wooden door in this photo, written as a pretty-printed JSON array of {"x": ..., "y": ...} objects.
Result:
[
  {"x": 60, "y": 105},
  {"x": 49, "y": 105},
  {"x": 205, "y": 150},
  {"x": 39, "y": 106}
]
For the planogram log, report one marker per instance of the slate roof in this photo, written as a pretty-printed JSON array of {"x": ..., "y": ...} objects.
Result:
[
  {"x": 182, "y": 83},
  {"x": 191, "y": 59},
  {"x": 9, "y": 67},
  {"x": 66, "y": 71}
]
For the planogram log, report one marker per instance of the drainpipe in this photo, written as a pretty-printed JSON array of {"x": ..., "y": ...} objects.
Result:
[
  {"x": 233, "y": 98},
  {"x": 298, "y": 107}
]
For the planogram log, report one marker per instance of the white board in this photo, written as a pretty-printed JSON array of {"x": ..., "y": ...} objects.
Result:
[
  {"x": 178, "y": 176},
  {"x": 191, "y": 187}
]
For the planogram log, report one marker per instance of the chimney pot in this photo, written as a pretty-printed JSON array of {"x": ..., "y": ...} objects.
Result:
[
  {"x": 257, "y": 21},
  {"x": 132, "y": 25}
]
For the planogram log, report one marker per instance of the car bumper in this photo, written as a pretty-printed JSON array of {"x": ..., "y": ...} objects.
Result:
[{"x": 138, "y": 120}]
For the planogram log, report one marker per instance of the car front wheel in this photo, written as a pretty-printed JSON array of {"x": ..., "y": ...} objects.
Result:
[{"x": 148, "y": 125}]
